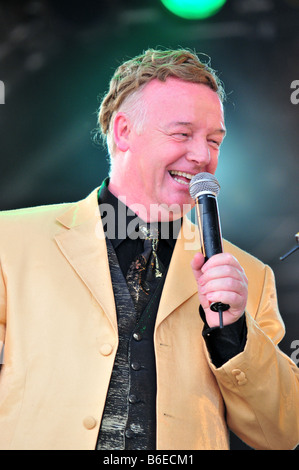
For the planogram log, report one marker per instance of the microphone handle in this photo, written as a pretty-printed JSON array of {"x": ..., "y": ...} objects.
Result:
[{"x": 211, "y": 238}]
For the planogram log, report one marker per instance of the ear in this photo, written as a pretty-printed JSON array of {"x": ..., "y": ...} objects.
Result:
[{"x": 121, "y": 131}]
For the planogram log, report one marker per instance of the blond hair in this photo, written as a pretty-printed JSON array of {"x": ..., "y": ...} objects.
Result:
[{"x": 130, "y": 78}]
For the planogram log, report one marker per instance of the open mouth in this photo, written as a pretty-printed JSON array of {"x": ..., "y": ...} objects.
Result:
[{"x": 181, "y": 177}]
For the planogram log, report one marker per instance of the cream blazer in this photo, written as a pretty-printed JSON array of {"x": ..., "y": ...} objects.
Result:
[{"x": 58, "y": 323}]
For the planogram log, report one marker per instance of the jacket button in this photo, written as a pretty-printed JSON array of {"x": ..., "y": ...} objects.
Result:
[
  {"x": 89, "y": 422},
  {"x": 135, "y": 366},
  {"x": 240, "y": 376},
  {"x": 106, "y": 349}
]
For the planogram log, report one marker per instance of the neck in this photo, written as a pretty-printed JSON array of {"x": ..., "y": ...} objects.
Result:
[{"x": 151, "y": 212}]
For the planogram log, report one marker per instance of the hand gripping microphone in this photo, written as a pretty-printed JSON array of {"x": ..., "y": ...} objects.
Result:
[{"x": 204, "y": 189}]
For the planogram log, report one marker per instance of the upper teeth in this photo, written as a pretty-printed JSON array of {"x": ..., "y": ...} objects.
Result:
[{"x": 182, "y": 173}]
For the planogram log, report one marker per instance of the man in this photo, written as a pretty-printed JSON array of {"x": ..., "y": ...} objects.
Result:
[{"x": 92, "y": 364}]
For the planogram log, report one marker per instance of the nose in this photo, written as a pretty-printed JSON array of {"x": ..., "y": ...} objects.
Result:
[{"x": 199, "y": 152}]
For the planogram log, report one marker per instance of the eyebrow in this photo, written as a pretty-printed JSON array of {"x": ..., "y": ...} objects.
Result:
[
  {"x": 186, "y": 123},
  {"x": 179, "y": 123}
]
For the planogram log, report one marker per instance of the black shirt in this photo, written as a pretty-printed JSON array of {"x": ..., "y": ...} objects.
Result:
[{"x": 121, "y": 226}]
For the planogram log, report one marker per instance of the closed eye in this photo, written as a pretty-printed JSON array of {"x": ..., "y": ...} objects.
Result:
[
  {"x": 215, "y": 143},
  {"x": 181, "y": 135}
]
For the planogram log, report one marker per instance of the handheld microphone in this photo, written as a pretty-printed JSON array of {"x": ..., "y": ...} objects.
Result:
[{"x": 204, "y": 189}]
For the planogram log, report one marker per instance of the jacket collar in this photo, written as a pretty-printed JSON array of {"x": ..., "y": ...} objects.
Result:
[
  {"x": 81, "y": 212},
  {"x": 81, "y": 240}
]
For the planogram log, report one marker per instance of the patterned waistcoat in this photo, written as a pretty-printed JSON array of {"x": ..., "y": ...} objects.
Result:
[{"x": 129, "y": 418}]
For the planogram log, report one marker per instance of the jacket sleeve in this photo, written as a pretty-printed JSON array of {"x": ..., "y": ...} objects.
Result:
[
  {"x": 260, "y": 386},
  {"x": 2, "y": 312}
]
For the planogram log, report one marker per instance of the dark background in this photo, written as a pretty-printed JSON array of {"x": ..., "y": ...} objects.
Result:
[{"x": 56, "y": 59}]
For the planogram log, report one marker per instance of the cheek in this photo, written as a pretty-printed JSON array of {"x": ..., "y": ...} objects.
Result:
[
  {"x": 213, "y": 163},
  {"x": 153, "y": 158}
]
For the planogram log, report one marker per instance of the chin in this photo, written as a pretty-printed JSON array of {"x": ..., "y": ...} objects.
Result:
[{"x": 175, "y": 208}]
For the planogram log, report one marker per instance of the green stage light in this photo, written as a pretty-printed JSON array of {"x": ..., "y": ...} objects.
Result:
[{"x": 194, "y": 9}]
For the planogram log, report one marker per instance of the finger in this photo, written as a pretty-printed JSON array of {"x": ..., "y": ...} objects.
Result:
[
  {"x": 227, "y": 285},
  {"x": 236, "y": 297},
  {"x": 236, "y": 300},
  {"x": 225, "y": 296},
  {"x": 221, "y": 259},
  {"x": 223, "y": 276}
]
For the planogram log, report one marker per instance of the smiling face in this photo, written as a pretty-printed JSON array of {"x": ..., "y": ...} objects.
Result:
[{"x": 180, "y": 137}]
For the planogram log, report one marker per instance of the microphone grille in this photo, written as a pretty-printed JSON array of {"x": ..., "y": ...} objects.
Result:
[{"x": 203, "y": 183}]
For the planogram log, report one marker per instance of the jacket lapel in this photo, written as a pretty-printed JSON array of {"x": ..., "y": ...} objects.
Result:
[
  {"x": 180, "y": 283},
  {"x": 82, "y": 242}
]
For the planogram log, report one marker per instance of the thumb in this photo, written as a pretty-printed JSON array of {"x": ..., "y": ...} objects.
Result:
[{"x": 197, "y": 263}]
